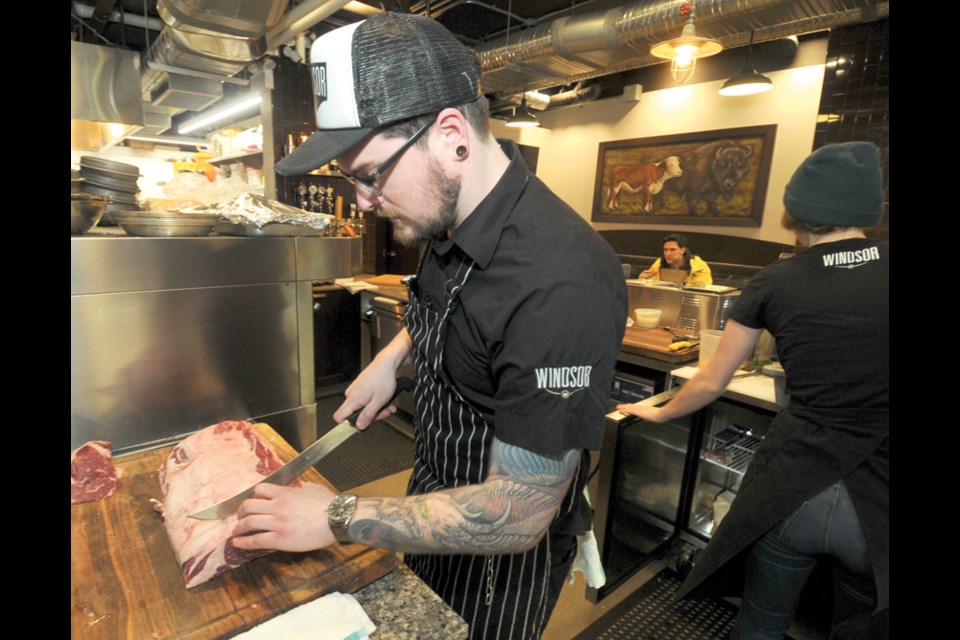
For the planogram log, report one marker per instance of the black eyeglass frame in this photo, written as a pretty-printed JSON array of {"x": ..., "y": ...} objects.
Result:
[{"x": 369, "y": 182}]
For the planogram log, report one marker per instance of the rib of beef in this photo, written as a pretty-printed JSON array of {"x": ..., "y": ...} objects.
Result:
[
  {"x": 205, "y": 468},
  {"x": 92, "y": 474}
]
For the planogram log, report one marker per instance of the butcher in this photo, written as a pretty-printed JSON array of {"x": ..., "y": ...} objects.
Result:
[
  {"x": 677, "y": 262},
  {"x": 514, "y": 323}
]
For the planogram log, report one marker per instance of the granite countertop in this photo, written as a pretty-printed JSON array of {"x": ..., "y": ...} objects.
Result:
[{"x": 404, "y": 608}]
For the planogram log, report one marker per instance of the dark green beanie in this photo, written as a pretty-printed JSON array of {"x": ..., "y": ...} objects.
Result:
[{"x": 839, "y": 185}]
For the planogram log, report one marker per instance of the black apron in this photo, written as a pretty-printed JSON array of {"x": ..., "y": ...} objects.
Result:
[
  {"x": 804, "y": 452},
  {"x": 500, "y": 597}
]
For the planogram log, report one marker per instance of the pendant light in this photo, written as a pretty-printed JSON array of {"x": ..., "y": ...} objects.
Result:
[
  {"x": 684, "y": 51},
  {"x": 748, "y": 81},
  {"x": 524, "y": 118}
]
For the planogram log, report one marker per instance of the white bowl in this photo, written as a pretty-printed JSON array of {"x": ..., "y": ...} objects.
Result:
[{"x": 647, "y": 318}]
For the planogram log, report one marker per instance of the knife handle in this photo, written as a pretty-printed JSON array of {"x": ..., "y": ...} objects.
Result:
[{"x": 403, "y": 384}]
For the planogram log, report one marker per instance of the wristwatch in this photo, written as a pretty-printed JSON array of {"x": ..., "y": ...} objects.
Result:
[{"x": 339, "y": 513}]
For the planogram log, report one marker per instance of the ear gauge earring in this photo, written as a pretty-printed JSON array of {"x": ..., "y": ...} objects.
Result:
[{"x": 461, "y": 151}]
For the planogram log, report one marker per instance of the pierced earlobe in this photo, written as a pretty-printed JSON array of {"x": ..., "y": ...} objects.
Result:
[{"x": 461, "y": 151}]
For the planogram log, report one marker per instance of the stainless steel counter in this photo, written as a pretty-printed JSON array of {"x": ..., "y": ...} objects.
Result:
[{"x": 169, "y": 335}]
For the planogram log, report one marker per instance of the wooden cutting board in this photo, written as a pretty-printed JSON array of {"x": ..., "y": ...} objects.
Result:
[
  {"x": 655, "y": 343},
  {"x": 390, "y": 285},
  {"x": 125, "y": 582}
]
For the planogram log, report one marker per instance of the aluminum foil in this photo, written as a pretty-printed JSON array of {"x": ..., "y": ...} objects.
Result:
[{"x": 250, "y": 208}]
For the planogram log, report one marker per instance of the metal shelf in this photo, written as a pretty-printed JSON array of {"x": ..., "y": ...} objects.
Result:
[
  {"x": 233, "y": 157},
  {"x": 730, "y": 448}
]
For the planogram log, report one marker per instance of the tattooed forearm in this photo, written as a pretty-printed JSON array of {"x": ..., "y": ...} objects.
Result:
[{"x": 508, "y": 513}]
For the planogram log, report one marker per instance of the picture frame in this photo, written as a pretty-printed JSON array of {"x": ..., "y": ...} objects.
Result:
[{"x": 716, "y": 177}]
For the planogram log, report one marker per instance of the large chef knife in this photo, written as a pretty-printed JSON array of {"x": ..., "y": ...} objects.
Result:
[{"x": 298, "y": 465}]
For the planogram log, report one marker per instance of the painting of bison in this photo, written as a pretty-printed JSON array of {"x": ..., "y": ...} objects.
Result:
[{"x": 710, "y": 177}]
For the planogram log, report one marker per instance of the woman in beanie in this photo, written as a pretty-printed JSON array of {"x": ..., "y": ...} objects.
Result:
[{"x": 817, "y": 489}]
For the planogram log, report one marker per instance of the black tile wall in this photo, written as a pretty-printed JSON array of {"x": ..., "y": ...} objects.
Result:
[
  {"x": 293, "y": 117},
  {"x": 854, "y": 103}
]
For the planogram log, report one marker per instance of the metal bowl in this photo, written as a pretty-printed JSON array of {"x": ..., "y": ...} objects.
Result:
[
  {"x": 86, "y": 211},
  {"x": 165, "y": 225}
]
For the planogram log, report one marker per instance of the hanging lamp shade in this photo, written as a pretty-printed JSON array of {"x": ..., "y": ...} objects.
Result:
[
  {"x": 684, "y": 51},
  {"x": 523, "y": 118},
  {"x": 748, "y": 81}
]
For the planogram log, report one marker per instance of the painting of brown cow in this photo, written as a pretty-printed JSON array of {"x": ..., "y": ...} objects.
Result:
[
  {"x": 647, "y": 180},
  {"x": 705, "y": 177}
]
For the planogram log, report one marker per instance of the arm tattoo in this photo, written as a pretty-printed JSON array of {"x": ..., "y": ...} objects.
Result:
[{"x": 509, "y": 512}]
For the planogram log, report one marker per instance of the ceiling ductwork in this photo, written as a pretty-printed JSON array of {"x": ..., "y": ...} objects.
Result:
[
  {"x": 202, "y": 44},
  {"x": 206, "y": 43},
  {"x": 204, "y": 39},
  {"x": 105, "y": 105},
  {"x": 578, "y": 48}
]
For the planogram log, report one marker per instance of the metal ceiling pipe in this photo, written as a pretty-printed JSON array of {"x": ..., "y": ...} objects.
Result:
[
  {"x": 629, "y": 29},
  {"x": 101, "y": 14},
  {"x": 302, "y": 17},
  {"x": 577, "y": 95},
  {"x": 129, "y": 19},
  {"x": 623, "y": 35}
]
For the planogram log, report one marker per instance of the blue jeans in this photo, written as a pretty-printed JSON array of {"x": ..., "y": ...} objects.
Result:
[{"x": 825, "y": 527}]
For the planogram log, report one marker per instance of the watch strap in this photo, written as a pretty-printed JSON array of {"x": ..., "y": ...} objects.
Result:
[{"x": 341, "y": 532}]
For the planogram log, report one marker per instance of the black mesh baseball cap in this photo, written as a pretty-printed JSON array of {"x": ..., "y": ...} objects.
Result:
[{"x": 370, "y": 74}]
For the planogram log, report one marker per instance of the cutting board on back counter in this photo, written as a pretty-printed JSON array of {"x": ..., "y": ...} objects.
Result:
[
  {"x": 389, "y": 285},
  {"x": 655, "y": 344},
  {"x": 125, "y": 582}
]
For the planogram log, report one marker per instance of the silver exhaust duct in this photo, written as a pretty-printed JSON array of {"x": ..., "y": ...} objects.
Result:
[
  {"x": 573, "y": 49},
  {"x": 105, "y": 103}
]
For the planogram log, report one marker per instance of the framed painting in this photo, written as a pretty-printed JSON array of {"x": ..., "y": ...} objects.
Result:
[{"x": 708, "y": 178}]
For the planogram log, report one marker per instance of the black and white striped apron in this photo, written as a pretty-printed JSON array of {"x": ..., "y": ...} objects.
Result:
[{"x": 501, "y": 597}]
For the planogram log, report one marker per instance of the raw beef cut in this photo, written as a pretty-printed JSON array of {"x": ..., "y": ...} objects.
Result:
[
  {"x": 92, "y": 474},
  {"x": 206, "y": 467}
]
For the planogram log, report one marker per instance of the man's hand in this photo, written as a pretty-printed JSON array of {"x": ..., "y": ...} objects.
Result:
[
  {"x": 374, "y": 387},
  {"x": 285, "y": 518}
]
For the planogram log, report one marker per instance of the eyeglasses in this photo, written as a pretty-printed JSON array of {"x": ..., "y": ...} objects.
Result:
[{"x": 369, "y": 182}]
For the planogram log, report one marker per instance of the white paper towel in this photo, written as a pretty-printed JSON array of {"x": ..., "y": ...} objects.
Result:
[
  {"x": 335, "y": 616},
  {"x": 587, "y": 560}
]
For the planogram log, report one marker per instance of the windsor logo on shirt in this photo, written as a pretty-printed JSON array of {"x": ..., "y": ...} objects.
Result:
[
  {"x": 563, "y": 381},
  {"x": 318, "y": 73},
  {"x": 851, "y": 259}
]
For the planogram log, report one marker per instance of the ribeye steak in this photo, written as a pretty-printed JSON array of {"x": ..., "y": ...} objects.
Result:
[
  {"x": 206, "y": 467},
  {"x": 92, "y": 474}
]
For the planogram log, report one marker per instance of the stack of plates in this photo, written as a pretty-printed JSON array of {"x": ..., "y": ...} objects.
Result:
[
  {"x": 166, "y": 224},
  {"x": 116, "y": 180}
]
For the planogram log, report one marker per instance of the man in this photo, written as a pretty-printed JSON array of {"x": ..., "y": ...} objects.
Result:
[
  {"x": 514, "y": 324},
  {"x": 690, "y": 269},
  {"x": 817, "y": 489}
]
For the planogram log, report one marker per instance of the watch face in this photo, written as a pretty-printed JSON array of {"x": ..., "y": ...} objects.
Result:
[{"x": 342, "y": 507}]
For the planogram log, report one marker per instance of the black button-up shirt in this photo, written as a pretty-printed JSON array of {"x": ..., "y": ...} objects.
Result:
[{"x": 535, "y": 338}]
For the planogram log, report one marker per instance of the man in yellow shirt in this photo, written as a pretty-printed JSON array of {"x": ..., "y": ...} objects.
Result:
[{"x": 686, "y": 268}]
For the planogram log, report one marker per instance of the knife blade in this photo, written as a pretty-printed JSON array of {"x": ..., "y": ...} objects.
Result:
[{"x": 299, "y": 464}]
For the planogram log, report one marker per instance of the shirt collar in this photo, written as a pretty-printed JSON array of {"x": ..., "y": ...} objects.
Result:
[{"x": 479, "y": 234}]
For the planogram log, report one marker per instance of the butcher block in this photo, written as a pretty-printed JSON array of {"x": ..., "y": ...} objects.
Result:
[
  {"x": 654, "y": 343},
  {"x": 125, "y": 581}
]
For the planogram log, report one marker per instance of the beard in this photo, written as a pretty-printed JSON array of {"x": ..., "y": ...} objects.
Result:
[{"x": 440, "y": 190}]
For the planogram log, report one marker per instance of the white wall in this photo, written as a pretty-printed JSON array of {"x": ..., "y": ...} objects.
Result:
[{"x": 569, "y": 137}]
